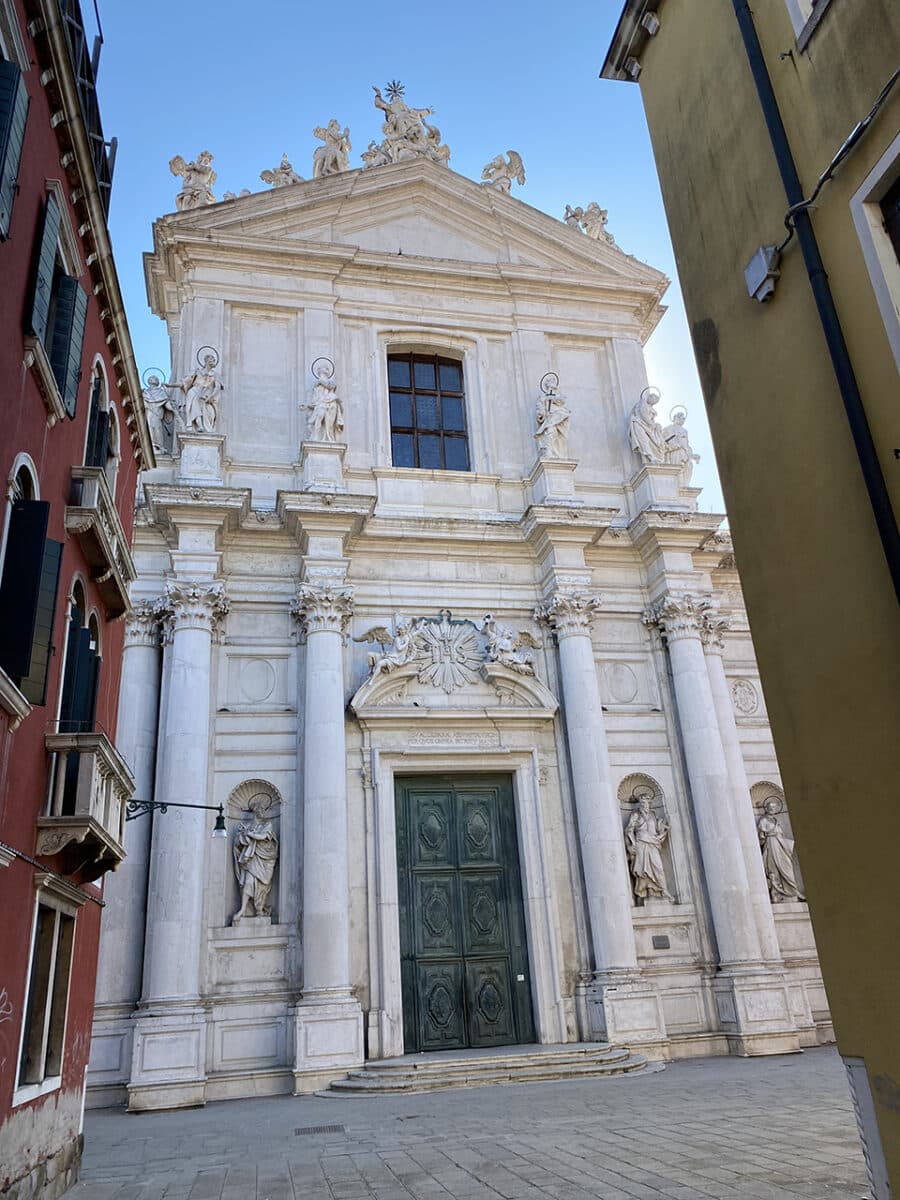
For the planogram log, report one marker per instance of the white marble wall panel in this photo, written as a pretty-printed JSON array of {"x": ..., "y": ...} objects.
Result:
[{"x": 262, "y": 390}]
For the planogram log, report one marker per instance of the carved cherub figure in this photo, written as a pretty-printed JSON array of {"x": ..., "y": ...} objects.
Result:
[
  {"x": 500, "y": 173},
  {"x": 334, "y": 156},
  {"x": 593, "y": 222},
  {"x": 506, "y": 647},
  {"x": 401, "y": 639},
  {"x": 573, "y": 216},
  {"x": 282, "y": 175},
  {"x": 197, "y": 179}
]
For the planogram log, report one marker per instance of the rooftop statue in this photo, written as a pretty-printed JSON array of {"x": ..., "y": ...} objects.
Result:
[
  {"x": 500, "y": 173},
  {"x": 282, "y": 175},
  {"x": 334, "y": 156},
  {"x": 406, "y": 132},
  {"x": 591, "y": 220},
  {"x": 237, "y": 195},
  {"x": 197, "y": 179}
]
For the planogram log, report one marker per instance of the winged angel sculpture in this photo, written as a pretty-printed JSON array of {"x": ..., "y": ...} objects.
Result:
[
  {"x": 282, "y": 175},
  {"x": 500, "y": 174},
  {"x": 197, "y": 179},
  {"x": 508, "y": 648},
  {"x": 446, "y": 653},
  {"x": 334, "y": 156}
]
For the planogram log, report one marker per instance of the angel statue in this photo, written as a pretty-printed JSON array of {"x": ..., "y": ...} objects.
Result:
[
  {"x": 402, "y": 641},
  {"x": 197, "y": 179},
  {"x": 507, "y": 648},
  {"x": 375, "y": 155},
  {"x": 281, "y": 175},
  {"x": 326, "y": 412},
  {"x": 334, "y": 156},
  {"x": 593, "y": 222},
  {"x": 552, "y": 433},
  {"x": 202, "y": 390},
  {"x": 574, "y": 216},
  {"x": 500, "y": 174},
  {"x": 255, "y": 854}
]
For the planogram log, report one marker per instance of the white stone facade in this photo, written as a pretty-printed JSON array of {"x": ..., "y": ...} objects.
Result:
[{"x": 265, "y": 558}]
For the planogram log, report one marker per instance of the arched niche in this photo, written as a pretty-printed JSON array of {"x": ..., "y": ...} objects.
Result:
[
  {"x": 630, "y": 790},
  {"x": 760, "y": 793},
  {"x": 252, "y": 798}
]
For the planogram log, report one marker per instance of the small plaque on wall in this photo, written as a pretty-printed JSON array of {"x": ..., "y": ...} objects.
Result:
[{"x": 661, "y": 941}]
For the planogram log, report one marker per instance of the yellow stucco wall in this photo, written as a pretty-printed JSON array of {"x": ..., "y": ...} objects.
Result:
[{"x": 824, "y": 615}]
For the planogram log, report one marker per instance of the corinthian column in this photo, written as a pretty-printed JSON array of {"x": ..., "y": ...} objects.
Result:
[
  {"x": 125, "y": 891},
  {"x": 752, "y": 1004},
  {"x": 171, "y": 1072},
  {"x": 626, "y": 1009},
  {"x": 712, "y": 633},
  {"x": 329, "y": 1019}
]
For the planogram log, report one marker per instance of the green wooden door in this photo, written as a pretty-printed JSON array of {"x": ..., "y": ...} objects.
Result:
[{"x": 463, "y": 954}]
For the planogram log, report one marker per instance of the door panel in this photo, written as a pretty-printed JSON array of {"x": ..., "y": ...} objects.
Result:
[{"x": 464, "y": 960}]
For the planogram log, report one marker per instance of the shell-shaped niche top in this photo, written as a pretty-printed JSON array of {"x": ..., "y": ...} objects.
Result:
[{"x": 253, "y": 795}]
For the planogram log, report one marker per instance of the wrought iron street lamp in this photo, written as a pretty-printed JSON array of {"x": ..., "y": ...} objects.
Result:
[{"x": 137, "y": 808}]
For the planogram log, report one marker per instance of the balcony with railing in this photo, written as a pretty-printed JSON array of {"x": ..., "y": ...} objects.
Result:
[
  {"x": 90, "y": 785},
  {"x": 92, "y": 516}
]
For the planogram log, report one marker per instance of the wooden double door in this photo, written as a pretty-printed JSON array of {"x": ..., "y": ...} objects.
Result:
[{"x": 463, "y": 951}]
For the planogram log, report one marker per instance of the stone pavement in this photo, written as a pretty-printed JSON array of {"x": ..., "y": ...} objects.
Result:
[{"x": 716, "y": 1127}]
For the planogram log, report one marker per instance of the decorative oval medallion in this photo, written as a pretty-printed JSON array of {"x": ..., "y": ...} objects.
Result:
[
  {"x": 436, "y": 912},
  {"x": 440, "y": 1005},
  {"x": 744, "y": 697},
  {"x": 484, "y": 912},
  {"x": 478, "y": 831},
  {"x": 490, "y": 1002}
]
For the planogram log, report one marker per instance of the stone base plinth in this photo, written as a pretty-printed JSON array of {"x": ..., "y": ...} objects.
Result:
[
  {"x": 322, "y": 466},
  {"x": 627, "y": 1011},
  {"x": 755, "y": 1013},
  {"x": 168, "y": 1062},
  {"x": 111, "y": 1052},
  {"x": 328, "y": 1042},
  {"x": 200, "y": 457},
  {"x": 552, "y": 480},
  {"x": 661, "y": 486}
]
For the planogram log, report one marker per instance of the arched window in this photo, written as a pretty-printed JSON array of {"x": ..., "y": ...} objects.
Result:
[
  {"x": 81, "y": 671},
  {"x": 111, "y": 466},
  {"x": 96, "y": 450},
  {"x": 428, "y": 412}
]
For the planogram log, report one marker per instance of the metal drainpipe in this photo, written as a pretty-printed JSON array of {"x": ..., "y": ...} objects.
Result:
[{"x": 818, "y": 281}]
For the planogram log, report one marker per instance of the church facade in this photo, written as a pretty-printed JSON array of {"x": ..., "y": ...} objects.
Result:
[{"x": 425, "y": 603}]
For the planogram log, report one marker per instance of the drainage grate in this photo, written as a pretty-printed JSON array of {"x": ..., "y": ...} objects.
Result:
[{"x": 307, "y": 1129}]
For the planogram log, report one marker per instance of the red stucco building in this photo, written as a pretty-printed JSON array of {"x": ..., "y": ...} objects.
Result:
[{"x": 72, "y": 440}]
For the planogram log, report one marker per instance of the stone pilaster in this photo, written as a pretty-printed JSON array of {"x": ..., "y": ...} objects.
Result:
[
  {"x": 623, "y": 1006},
  {"x": 752, "y": 1004},
  {"x": 169, "y": 1058},
  {"x": 329, "y": 1036}
]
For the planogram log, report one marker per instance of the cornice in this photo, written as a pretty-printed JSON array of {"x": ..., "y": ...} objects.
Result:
[
  {"x": 545, "y": 525},
  {"x": 672, "y": 528},
  {"x": 171, "y": 504},
  {"x": 343, "y": 514}
]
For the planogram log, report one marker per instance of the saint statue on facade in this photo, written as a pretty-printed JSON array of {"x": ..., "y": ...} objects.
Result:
[
  {"x": 159, "y": 408},
  {"x": 500, "y": 172},
  {"x": 326, "y": 412},
  {"x": 645, "y": 835},
  {"x": 777, "y": 853},
  {"x": 202, "y": 390},
  {"x": 645, "y": 432},
  {"x": 552, "y": 433},
  {"x": 334, "y": 156},
  {"x": 255, "y": 855},
  {"x": 678, "y": 446},
  {"x": 197, "y": 179},
  {"x": 282, "y": 175},
  {"x": 507, "y": 648}
]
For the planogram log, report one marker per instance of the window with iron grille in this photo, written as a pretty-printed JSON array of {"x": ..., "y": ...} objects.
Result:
[{"x": 428, "y": 412}]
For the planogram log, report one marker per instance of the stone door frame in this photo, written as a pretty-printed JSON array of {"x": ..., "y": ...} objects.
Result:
[{"x": 545, "y": 954}]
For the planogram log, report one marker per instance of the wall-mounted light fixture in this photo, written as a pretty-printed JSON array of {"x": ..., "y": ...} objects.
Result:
[{"x": 137, "y": 808}]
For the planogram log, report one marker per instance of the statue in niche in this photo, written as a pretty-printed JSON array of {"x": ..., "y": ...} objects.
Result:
[
  {"x": 255, "y": 855},
  {"x": 507, "y": 648},
  {"x": 326, "y": 412},
  {"x": 282, "y": 175},
  {"x": 197, "y": 178},
  {"x": 552, "y": 433},
  {"x": 334, "y": 156},
  {"x": 645, "y": 432},
  {"x": 160, "y": 410},
  {"x": 500, "y": 172},
  {"x": 402, "y": 643},
  {"x": 645, "y": 835},
  {"x": 777, "y": 853},
  {"x": 201, "y": 390},
  {"x": 678, "y": 447}
]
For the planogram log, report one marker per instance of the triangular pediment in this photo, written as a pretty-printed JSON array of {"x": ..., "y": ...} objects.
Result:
[{"x": 418, "y": 210}]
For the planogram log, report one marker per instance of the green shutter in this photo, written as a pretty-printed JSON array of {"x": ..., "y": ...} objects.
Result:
[
  {"x": 21, "y": 584},
  {"x": 13, "y": 114},
  {"x": 34, "y": 687},
  {"x": 67, "y": 340},
  {"x": 43, "y": 275}
]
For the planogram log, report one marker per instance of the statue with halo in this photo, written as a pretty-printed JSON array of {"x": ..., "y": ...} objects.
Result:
[
  {"x": 326, "y": 412},
  {"x": 552, "y": 433},
  {"x": 255, "y": 852}
]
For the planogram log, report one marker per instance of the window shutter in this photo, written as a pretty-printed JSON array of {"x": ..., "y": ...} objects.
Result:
[
  {"x": 43, "y": 275},
  {"x": 67, "y": 340},
  {"x": 83, "y": 684},
  {"x": 34, "y": 687},
  {"x": 21, "y": 584},
  {"x": 98, "y": 439},
  {"x": 73, "y": 639},
  {"x": 13, "y": 115}
]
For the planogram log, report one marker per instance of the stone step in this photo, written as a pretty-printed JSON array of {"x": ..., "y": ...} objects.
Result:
[{"x": 434, "y": 1073}]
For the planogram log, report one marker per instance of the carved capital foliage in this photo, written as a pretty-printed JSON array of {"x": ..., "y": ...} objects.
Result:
[
  {"x": 191, "y": 605},
  {"x": 678, "y": 615},
  {"x": 142, "y": 624},
  {"x": 713, "y": 628},
  {"x": 569, "y": 613},
  {"x": 323, "y": 607}
]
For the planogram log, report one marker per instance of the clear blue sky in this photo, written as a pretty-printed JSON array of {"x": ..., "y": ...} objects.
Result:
[{"x": 250, "y": 81}]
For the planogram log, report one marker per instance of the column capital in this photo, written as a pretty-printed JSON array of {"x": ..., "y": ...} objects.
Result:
[
  {"x": 713, "y": 627},
  {"x": 189, "y": 604},
  {"x": 142, "y": 624},
  {"x": 323, "y": 607},
  {"x": 569, "y": 613},
  {"x": 678, "y": 615}
]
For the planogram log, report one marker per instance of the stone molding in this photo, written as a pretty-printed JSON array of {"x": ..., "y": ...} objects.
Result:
[
  {"x": 142, "y": 624},
  {"x": 569, "y": 613},
  {"x": 678, "y": 615},
  {"x": 322, "y": 608},
  {"x": 192, "y": 605}
]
